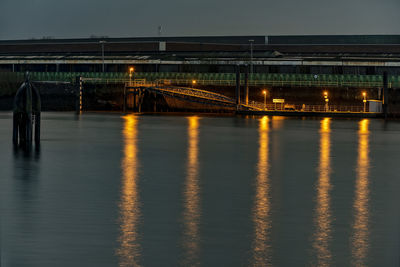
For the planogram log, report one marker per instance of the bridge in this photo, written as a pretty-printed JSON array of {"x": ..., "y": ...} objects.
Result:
[
  {"x": 191, "y": 94},
  {"x": 164, "y": 87}
]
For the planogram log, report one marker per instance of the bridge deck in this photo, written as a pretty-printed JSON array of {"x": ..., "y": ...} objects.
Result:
[{"x": 191, "y": 94}]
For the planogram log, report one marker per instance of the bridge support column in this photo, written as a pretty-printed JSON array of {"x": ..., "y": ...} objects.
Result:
[
  {"x": 135, "y": 105},
  {"x": 140, "y": 99},
  {"x": 246, "y": 85},
  {"x": 155, "y": 103},
  {"x": 237, "y": 86},
  {"x": 124, "y": 100},
  {"x": 385, "y": 94}
]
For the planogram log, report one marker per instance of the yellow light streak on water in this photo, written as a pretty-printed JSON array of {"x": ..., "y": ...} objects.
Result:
[
  {"x": 129, "y": 250},
  {"x": 323, "y": 216},
  {"x": 191, "y": 197},
  {"x": 360, "y": 236},
  {"x": 277, "y": 122},
  {"x": 262, "y": 205}
]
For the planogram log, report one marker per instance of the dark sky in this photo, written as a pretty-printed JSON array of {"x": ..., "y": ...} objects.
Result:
[{"x": 22, "y": 19}]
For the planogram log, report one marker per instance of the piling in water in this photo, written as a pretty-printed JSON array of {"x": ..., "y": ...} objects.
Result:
[{"x": 26, "y": 115}]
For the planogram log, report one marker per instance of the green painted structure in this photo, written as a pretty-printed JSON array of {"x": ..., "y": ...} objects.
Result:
[{"x": 221, "y": 79}]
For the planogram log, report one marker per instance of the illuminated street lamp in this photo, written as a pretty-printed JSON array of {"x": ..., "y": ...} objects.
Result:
[
  {"x": 265, "y": 99},
  {"x": 193, "y": 83},
  {"x": 131, "y": 71},
  {"x": 326, "y": 101},
  {"x": 365, "y": 100}
]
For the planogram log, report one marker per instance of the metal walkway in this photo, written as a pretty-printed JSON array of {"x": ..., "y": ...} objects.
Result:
[{"x": 184, "y": 93}]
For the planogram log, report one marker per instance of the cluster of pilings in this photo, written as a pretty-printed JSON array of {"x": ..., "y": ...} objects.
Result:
[
  {"x": 133, "y": 98},
  {"x": 26, "y": 115}
]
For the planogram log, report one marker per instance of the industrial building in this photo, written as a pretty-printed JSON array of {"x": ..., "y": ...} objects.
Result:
[{"x": 313, "y": 55}]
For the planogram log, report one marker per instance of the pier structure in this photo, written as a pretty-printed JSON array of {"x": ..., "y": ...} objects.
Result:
[{"x": 135, "y": 90}]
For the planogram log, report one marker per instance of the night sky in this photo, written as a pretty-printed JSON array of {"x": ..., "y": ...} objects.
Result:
[{"x": 23, "y": 19}]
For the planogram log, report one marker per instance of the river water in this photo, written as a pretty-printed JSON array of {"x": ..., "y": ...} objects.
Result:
[{"x": 111, "y": 190}]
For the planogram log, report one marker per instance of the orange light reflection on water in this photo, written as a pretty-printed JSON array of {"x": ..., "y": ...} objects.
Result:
[
  {"x": 262, "y": 205},
  {"x": 323, "y": 220},
  {"x": 191, "y": 197},
  {"x": 129, "y": 247},
  {"x": 277, "y": 122},
  {"x": 360, "y": 237}
]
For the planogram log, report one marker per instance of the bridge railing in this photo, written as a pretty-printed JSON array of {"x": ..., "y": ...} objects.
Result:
[
  {"x": 223, "y": 79},
  {"x": 304, "y": 108},
  {"x": 205, "y": 92},
  {"x": 191, "y": 92}
]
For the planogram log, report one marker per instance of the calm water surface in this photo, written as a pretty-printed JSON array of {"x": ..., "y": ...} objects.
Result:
[{"x": 110, "y": 190}]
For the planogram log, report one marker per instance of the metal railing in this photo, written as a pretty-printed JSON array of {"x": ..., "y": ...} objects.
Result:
[
  {"x": 304, "y": 108},
  {"x": 187, "y": 82},
  {"x": 223, "y": 79},
  {"x": 139, "y": 83},
  {"x": 192, "y": 92},
  {"x": 277, "y": 83}
]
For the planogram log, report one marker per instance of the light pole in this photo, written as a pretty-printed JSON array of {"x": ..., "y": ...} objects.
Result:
[
  {"x": 265, "y": 99},
  {"x": 131, "y": 70},
  {"x": 102, "y": 52},
  {"x": 365, "y": 101},
  {"x": 193, "y": 83},
  {"x": 326, "y": 101}
]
